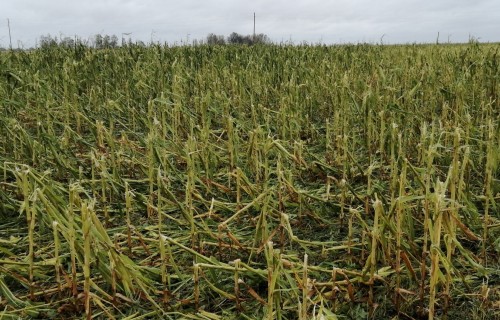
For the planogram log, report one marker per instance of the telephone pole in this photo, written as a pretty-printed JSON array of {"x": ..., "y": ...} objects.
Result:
[
  {"x": 10, "y": 37},
  {"x": 254, "y": 26}
]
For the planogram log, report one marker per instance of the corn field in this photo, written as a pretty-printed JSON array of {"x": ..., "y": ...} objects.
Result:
[{"x": 262, "y": 182}]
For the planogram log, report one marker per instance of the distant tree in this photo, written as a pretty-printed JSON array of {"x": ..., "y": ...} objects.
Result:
[
  {"x": 67, "y": 42},
  {"x": 213, "y": 39},
  {"x": 105, "y": 41},
  {"x": 261, "y": 39},
  {"x": 247, "y": 40},
  {"x": 98, "y": 41},
  {"x": 114, "y": 41},
  {"x": 48, "y": 41},
  {"x": 236, "y": 38}
]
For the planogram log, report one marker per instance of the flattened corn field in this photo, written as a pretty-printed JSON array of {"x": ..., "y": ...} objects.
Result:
[{"x": 264, "y": 182}]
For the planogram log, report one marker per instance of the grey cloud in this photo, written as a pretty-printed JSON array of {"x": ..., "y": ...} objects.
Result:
[{"x": 302, "y": 20}]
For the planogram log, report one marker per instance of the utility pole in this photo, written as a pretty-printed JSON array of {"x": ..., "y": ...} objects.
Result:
[
  {"x": 254, "y": 26},
  {"x": 10, "y": 37}
]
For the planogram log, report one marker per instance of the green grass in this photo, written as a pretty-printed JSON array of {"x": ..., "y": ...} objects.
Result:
[{"x": 264, "y": 182}]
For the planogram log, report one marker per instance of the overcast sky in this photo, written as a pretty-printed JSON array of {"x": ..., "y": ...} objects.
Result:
[{"x": 339, "y": 21}]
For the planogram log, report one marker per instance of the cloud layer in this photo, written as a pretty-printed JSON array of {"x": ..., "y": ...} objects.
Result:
[{"x": 404, "y": 21}]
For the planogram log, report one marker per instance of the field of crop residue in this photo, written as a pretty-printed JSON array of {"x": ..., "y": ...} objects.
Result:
[{"x": 263, "y": 182}]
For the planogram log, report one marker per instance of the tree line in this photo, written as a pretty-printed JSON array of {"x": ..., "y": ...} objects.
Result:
[
  {"x": 236, "y": 38},
  {"x": 100, "y": 41}
]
